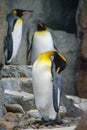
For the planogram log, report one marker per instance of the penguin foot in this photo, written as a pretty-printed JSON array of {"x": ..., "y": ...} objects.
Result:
[
  {"x": 46, "y": 123},
  {"x": 59, "y": 121},
  {"x": 52, "y": 122}
]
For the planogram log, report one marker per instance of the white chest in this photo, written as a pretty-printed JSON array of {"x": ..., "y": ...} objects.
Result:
[
  {"x": 41, "y": 43},
  {"x": 16, "y": 36}
]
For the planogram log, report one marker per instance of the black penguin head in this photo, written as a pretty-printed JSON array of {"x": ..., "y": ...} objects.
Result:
[
  {"x": 41, "y": 27},
  {"x": 59, "y": 61},
  {"x": 20, "y": 12}
]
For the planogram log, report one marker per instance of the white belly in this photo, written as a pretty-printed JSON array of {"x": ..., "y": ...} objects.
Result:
[
  {"x": 41, "y": 44},
  {"x": 42, "y": 87},
  {"x": 16, "y": 36}
]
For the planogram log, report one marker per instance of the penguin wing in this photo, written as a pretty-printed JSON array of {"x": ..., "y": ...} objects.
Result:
[
  {"x": 57, "y": 88},
  {"x": 8, "y": 46},
  {"x": 11, "y": 19}
]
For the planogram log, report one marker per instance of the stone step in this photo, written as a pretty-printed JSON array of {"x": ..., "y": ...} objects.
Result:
[
  {"x": 17, "y": 84},
  {"x": 26, "y": 100},
  {"x": 16, "y": 71}
]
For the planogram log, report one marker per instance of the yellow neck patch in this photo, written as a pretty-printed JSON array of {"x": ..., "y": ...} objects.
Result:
[
  {"x": 19, "y": 21},
  {"x": 41, "y": 32},
  {"x": 45, "y": 57}
]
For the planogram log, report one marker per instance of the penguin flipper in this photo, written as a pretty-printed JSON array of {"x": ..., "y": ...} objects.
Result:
[
  {"x": 8, "y": 47},
  {"x": 57, "y": 89},
  {"x": 11, "y": 19}
]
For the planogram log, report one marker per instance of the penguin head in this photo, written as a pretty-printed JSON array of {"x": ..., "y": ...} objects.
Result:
[
  {"x": 60, "y": 62},
  {"x": 56, "y": 58},
  {"x": 20, "y": 12},
  {"x": 41, "y": 27}
]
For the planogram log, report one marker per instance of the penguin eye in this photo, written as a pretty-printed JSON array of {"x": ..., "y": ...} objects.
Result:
[{"x": 14, "y": 12}]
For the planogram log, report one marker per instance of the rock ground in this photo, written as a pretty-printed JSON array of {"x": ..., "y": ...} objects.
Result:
[
  {"x": 19, "y": 121},
  {"x": 17, "y": 101}
]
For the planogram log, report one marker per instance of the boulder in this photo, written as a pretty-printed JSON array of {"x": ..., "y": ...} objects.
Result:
[
  {"x": 68, "y": 45},
  {"x": 81, "y": 82},
  {"x": 82, "y": 123}
]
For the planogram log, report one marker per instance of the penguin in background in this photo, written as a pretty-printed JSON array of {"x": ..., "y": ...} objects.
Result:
[
  {"x": 42, "y": 41},
  {"x": 48, "y": 94},
  {"x": 14, "y": 33}
]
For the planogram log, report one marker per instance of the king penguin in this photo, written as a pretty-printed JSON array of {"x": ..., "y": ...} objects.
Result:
[
  {"x": 42, "y": 41},
  {"x": 14, "y": 33},
  {"x": 47, "y": 93}
]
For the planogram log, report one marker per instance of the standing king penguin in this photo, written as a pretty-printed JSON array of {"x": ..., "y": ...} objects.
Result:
[
  {"x": 42, "y": 41},
  {"x": 47, "y": 93},
  {"x": 14, "y": 33}
]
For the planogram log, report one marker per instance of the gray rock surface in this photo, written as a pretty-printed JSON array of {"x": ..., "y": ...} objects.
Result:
[
  {"x": 18, "y": 90},
  {"x": 16, "y": 87},
  {"x": 68, "y": 45},
  {"x": 82, "y": 125},
  {"x": 66, "y": 128},
  {"x": 3, "y": 29}
]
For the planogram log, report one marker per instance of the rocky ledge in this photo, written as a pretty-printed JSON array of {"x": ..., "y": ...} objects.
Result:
[{"x": 17, "y": 106}]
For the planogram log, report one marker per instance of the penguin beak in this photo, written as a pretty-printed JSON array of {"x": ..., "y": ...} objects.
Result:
[{"x": 26, "y": 12}]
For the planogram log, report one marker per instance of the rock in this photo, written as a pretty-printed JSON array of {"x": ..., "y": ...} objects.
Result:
[
  {"x": 16, "y": 108},
  {"x": 16, "y": 71},
  {"x": 66, "y": 128},
  {"x": 78, "y": 102},
  {"x": 11, "y": 117},
  {"x": 74, "y": 99},
  {"x": 82, "y": 123},
  {"x": 34, "y": 113},
  {"x": 84, "y": 45},
  {"x": 71, "y": 109},
  {"x": 26, "y": 100},
  {"x": 20, "y": 94},
  {"x": 81, "y": 81},
  {"x": 6, "y": 125},
  {"x": 68, "y": 45},
  {"x": 17, "y": 84},
  {"x": 23, "y": 123},
  {"x": 3, "y": 28}
]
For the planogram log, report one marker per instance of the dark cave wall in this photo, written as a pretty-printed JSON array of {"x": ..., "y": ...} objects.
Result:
[
  {"x": 62, "y": 15},
  {"x": 58, "y": 14}
]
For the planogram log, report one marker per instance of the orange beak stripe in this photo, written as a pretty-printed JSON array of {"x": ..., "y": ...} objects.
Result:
[
  {"x": 41, "y": 25},
  {"x": 58, "y": 69},
  {"x": 25, "y": 12}
]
